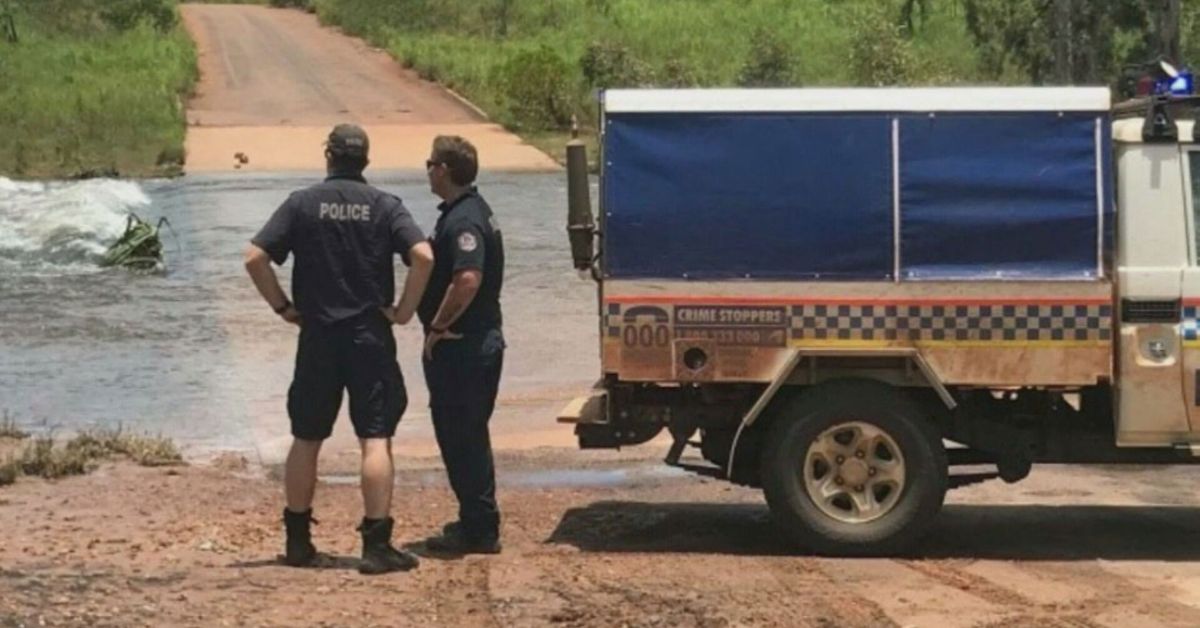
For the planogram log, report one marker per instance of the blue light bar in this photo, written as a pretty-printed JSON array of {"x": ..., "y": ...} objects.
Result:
[{"x": 1183, "y": 84}]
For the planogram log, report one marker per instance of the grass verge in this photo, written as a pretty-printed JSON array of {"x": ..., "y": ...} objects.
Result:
[
  {"x": 554, "y": 144},
  {"x": 87, "y": 89},
  {"x": 533, "y": 64}
]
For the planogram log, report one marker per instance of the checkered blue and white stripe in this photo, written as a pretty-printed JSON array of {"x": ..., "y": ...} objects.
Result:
[
  {"x": 945, "y": 323},
  {"x": 956, "y": 323}
]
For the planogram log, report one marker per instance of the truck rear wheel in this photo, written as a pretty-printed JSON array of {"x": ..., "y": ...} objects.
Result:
[{"x": 852, "y": 468}]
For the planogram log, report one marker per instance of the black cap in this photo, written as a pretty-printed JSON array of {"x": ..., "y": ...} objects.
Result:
[{"x": 348, "y": 140}]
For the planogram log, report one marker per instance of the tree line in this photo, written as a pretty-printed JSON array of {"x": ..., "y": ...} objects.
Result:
[{"x": 1071, "y": 41}]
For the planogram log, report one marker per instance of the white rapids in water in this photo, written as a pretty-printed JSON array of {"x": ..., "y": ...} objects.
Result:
[{"x": 64, "y": 226}]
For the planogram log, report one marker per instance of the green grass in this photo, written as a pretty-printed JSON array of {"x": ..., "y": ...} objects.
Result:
[
  {"x": 476, "y": 49},
  {"x": 554, "y": 144},
  {"x": 83, "y": 96},
  {"x": 292, "y": 4},
  {"x": 521, "y": 60},
  {"x": 286, "y": 4}
]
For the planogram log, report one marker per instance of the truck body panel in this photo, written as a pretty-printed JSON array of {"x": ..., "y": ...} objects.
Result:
[
  {"x": 1157, "y": 360},
  {"x": 856, "y": 196},
  {"x": 970, "y": 333},
  {"x": 820, "y": 289}
]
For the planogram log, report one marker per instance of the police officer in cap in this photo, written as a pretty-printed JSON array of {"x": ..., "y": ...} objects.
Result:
[
  {"x": 464, "y": 347},
  {"x": 344, "y": 235}
]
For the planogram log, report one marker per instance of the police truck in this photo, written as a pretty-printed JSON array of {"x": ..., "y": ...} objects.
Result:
[{"x": 858, "y": 299}]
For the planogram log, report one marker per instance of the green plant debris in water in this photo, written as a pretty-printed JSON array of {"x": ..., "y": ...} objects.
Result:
[{"x": 139, "y": 248}]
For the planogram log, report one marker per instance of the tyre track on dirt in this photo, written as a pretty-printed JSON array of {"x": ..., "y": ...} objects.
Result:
[
  {"x": 1028, "y": 612},
  {"x": 1116, "y": 593},
  {"x": 951, "y": 575},
  {"x": 576, "y": 591},
  {"x": 826, "y": 601},
  {"x": 1108, "y": 594},
  {"x": 463, "y": 594}
]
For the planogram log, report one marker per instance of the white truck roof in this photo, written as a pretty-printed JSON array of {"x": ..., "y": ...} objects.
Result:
[
  {"x": 1129, "y": 130},
  {"x": 862, "y": 99}
]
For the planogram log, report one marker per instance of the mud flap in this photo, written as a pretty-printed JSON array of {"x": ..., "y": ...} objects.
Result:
[{"x": 591, "y": 409}]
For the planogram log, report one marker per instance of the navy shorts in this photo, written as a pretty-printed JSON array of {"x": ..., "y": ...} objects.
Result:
[{"x": 358, "y": 356}]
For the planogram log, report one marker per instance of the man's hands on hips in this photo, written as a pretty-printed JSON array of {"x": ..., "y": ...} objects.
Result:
[
  {"x": 398, "y": 315},
  {"x": 290, "y": 315},
  {"x": 258, "y": 264},
  {"x": 435, "y": 337}
]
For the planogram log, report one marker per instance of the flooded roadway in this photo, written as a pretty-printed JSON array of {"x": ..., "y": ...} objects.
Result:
[{"x": 196, "y": 355}]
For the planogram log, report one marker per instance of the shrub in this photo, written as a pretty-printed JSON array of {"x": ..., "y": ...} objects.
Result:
[
  {"x": 602, "y": 7},
  {"x": 42, "y": 459},
  {"x": 769, "y": 63},
  {"x": 149, "y": 451},
  {"x": 307, "y": 5},
  {"x": 880, "y": 54},
  {"x": 536, "y": 88},
  {"x": 8, "y": 22},
  {"x": 126, "y": 14},
  {"x": 609, "y": 64},
  {"x": 676, "y": 73}
]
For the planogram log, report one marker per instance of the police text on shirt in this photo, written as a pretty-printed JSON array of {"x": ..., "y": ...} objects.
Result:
[{"x": 343, "y": 211}]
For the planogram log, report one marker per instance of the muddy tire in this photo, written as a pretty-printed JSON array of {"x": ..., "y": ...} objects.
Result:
[{"x": 853, "y": 468}]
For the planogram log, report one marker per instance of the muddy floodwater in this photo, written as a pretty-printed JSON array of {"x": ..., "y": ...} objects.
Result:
[{"x": 194, "y": 353}]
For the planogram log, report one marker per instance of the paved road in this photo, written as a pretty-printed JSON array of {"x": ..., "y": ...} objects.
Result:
[
  {"x": 274, "y": 80},
  {"x": 263, "y": 66}
]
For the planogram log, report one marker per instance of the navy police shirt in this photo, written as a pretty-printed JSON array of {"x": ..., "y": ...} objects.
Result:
[
  {"x": 344, "y": 234},
  {"x": 467, "y": 237}
]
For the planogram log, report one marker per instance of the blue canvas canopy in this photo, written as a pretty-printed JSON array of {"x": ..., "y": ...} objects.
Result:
[{"x": 919, "y": 184}]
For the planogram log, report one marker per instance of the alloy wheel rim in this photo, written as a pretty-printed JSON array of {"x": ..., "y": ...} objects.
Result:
[{"x": 854, "y": 472}]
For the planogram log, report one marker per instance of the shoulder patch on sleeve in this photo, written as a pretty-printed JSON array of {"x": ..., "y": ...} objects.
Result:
[{"x": 467, "y": 242}]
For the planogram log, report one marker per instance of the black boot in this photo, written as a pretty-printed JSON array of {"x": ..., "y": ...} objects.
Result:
[
  {"x": 300, "y": 551},
  {"x": 455, "y": 540},
  {"x": 378, "y": 555}
]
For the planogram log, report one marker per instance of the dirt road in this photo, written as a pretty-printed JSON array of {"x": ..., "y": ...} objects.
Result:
[
  {"x": 596, "y": 541},
  {"x": 273, "y": 81}
]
